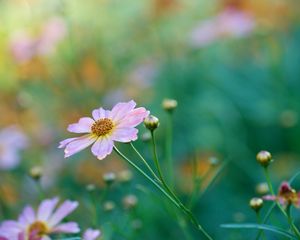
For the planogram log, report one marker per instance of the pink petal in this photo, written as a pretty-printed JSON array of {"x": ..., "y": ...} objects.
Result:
[
  {"x": 46, "y": 208},
  {"x": 91, "y": 234},
  {"x": 65, "y": 142},
  {"x": 100, "y": 113},
  {"x": 65, "y": 209},
  {"x": 269, "y": 197},
  {"x": 102, "y": 147},
  {"x": 134, "y": 118},
  {"x": 120, "y": 110},
  {"x": 83, "y": 126},
  {"x": 125, "y": 134},
  {"x": 70, "y": 227},
  {"x": 10, "y": 227},
  {"x": 27, "y": 216},
  {"x": 79, "y": 144}
]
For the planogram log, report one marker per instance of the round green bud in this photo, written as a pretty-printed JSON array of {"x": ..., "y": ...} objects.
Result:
[
  {"x": 256, "y": 204},
  {"x": 264, "y": 158},
  {"x": 169, "y": 105},
  {"x": 151, "y": 122}
]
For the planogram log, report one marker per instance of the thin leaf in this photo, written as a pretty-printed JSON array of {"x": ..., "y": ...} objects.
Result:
[
  {"x": 277, "y": 230},
  {"x": 292, "y": 179}
]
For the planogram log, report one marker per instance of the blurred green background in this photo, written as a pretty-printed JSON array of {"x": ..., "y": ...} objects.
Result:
[{"x": 232, "y": 65}]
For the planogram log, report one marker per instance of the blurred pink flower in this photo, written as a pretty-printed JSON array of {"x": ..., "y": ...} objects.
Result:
[
  {"x": 24, "y": 46},
  {"x": 12, "y": 140},
  {"x": 104, "y": 128},
  {"x": 37, "y": 226},
  {"x": 90, "y": 234},
  {"x": 286, "y": 196},
  {"x": 230, "y": 22},
  {"x": 53, "y": 32}
]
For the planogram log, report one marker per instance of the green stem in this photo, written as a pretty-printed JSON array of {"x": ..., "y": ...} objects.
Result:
[
  {"x": 145, "y": 162},
  {"x": 260, "y": 232},
  {"x": 294, "y": 228},
  {"x": 165, "y": 193},
  {"x": 291, "y": 222},
  {"x": 95, "y": 209},
  {"x": 167, "y": 188}
]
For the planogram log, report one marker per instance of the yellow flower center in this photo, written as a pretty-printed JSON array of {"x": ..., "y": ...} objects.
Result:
[
  {"x": 38, "y": 228},
  {"x": 102, "y": 127}
]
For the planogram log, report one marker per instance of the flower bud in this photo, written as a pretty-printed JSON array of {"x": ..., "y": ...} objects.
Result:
[
  {"x": 262, "y": 188},
  {"x": 36, "y": 173},
  {"x": 125, "y": 176},
  {"x": 169, "y": 104},
  {"x": 108, "y": 206},
  {"x": 151, "y": 122},
  {"x": 264, "y": 158},
  {"x": 130, "y": 201},
  {"x": 146, "y": 137},
  {"x": 90, "y": 187},
  {"x": 256, "y": 204},
  {"x": 109, "y": 178}
]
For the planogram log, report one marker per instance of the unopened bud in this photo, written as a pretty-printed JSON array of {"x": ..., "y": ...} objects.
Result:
[
  {"x": 169, "y": 104},
  {"x": 256, "y": 204},
  {"x": 36, "y": 173},
  {"x": 264, "y": 158},
  {"x": 146, "y": 137},
  {"x": 125, "y": 176},
  {"x": 109, "y": 178},
  {"x": 108, "y": 206},
  {"x": 130, "y": 201},
  {"x": 262, "y": 188},
  {"x": 90, "y": 187},
  {"x": 151, "y": 122}
]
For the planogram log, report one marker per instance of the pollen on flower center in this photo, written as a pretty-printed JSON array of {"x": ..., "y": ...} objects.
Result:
[
  {"x": 102, "y": 127},
  {"x": 38, "y": 228}
]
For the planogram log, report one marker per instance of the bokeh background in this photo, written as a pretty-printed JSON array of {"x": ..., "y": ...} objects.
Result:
[{"x": 232, "y": 65}]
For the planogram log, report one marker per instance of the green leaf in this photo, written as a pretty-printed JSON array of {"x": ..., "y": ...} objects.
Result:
[{"x": 277, "y": 230}]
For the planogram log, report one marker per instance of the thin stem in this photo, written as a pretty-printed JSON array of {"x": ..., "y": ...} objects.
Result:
[
  {"x": 146, "y": 176},
  {"x": 167, "y": 188},
  {"x": 260, "y": 232},
  {"x": 166, "y": 194},
  {"x": 145, "y": 162},
  {"x": 291, "y": 222},
  {"x": 294, "y": 228}
]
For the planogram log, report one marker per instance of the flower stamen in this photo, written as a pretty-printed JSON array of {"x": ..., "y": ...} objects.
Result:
[
  {"x": 38, "y": 228},
  {"x": 102, "y": 127}
]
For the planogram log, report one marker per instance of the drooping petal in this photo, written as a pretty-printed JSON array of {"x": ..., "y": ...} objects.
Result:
[
  {"x": 69, "y": 227},
  {"x": 120, "y": 110},
  {"x": 46, "y": 208},
  {"x": 91, "y": 234},
  {"x": 27, "y": 216},
  {"x": 102, "y": 147},
  {"x": 83, "y": 126},
  {"x": 65, "y": 142},
  {"x": 100, "y": 113},
  {"x": 270, "y": 197},
  {"x": 124, "y": 134},
  {"x": 65, "y": 209},
  {"x": 79, "y": 144},
  {"x": 133, "y": 118}
]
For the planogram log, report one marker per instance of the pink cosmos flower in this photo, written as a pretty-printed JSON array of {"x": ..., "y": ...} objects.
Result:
[
  {"x": 90, "y": 234},
  {"x": 286, "y": 196},
  {"x": 38, "y": 225},
  {"x": 12, "y": 140},
  {"x": 104, "y": 128}
]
